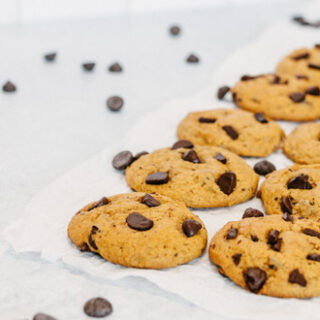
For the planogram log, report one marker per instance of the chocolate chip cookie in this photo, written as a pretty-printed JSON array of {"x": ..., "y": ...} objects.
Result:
[
  {"x": 270, "y": 256},
  {"x": 242, "y": 132},
  {"x": 201, "y": 176},
  {"x": 139, "y": 230}
]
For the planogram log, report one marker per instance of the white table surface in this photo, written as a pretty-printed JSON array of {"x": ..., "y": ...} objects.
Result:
[{"x": 58, "y": 118}]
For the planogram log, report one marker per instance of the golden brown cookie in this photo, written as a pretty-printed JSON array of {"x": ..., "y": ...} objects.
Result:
[
  {"x": 279, "y": 98},
  {"x": 242, "y": 132},
  {"x": 201, "y": 177},
  {"x": 270, "y": 256},
  {"x": 294, "y": 190},
  {"x": 139, "y": 230}
]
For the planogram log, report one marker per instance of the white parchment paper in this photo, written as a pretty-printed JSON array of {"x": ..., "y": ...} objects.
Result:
[{"x": 43, "y": 228}]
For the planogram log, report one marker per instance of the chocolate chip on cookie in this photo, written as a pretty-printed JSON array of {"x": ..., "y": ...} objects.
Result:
[
  {"x": 302, "y": 77},
  {"x": 207, "y": 120},
  {"x": 227, "y": 182},
  {"x": 157, "y": 178},
  {"x": 231, "y": 132},
  {"x": 182, "y": 144},
  {"x": 273, "y": 240},
  {"x": 296, "y": 277},
  {"x": 102, "y": 202},
  {"x": 304, "y": 55},
  {"x": 115, "y": 67},
  {"x": 88, "y": 66},
  {"x": 191, "y": 227},
  {"x": 314, "y": 66},
  {"x": 220, "y": 157},
  {"x": 264, "y": 167},
  {"x": 122, "y": 160},
  {"x": 297, "y": 96},
  {"x": 191, "y": 156},
  {"x": 286, "y": 205},
  {"x": 97, "y": 308},
  {"x": 287, "y": 217},
  {"x": 259, "y": 116},
  {"x": 254, "y": 238},
  {"x": 313, "y": 91},
  {"x": 9, "y": 87},
  {"x": 311, "y": 233},
  {"x": 232, "y": 233},
  {"x": 150, "y": 201},
  {"x": 255, "y": 278},
  {"x": 115, "y": 103},
  {"x": 92, "y": 243},
  {"x": 222, "y": 91},
  {"x": 43, "y": 316},
  {"x": 314, "y": 257},
  {"x": 139, "y": 222},
  {"x": 247, "y": 77},
  {"x": 251, "y": 212},
  {"x": 299, "y": 182},
  {"x": 236, "y": 258}
]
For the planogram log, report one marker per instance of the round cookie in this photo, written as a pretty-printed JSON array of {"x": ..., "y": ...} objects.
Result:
[
  {"x": 270, "y": 256},
  {"x": 139, "y": 230},
  {"x": 201, "y": 177},
  {"x": 294, "y": 190},
  {"x": 289, "y": 99},
  {"x": 303, "y": 145},
  {"x": 302, "y": 63},
  {"x": 242, "y": 132}
]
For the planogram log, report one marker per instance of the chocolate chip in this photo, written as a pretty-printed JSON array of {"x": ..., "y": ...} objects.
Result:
[
  {"x": 254, "y": 238},
  {"x": 192, "y": 58},
  {"x": 174, "y": 30},
  {"x": 92, "y": 243},
  {"x": 236, "y": 258},
  {"x": 231, "y": 132},
  {"x": 102, "y": 202},
  {"x": 207, "y": 120},
  {"x": 286, "y": 205},
  {"x": 122, "y": 160},
  {"x": 251, "y": 212},
  {"x": 88, "y": 66},
  {"x": 191, "y": 227},
  {"x": 157, "y": 178},
  {"x": 258, "y": 195},
  {"x": 182, "y": 144},
  {"x": 296, "y": 277},
  {"x": 297, "y": 96},
  {"x": 246, "y": 77},
  {"x": 191, "y": 156},
  {"x": 276, "y": 79},
  {"x": 314, "y": 66},
  {"x": 115, "y": 67},
  {"x": 232, "y": 233},
  {"x": 311, "y": 233},
  {"x": 97, "y": 307},
  {"x": 222, "y": 92},
  {"x": 50, "y": 56},
  {"x": 299, "y": 182},
  {"x": 259, "y": 116},
  {"x": 313, "y": 91},
  {"x": 255, "y": 279},
  {"x": 140, "y": 154},
  {"x": 264, "y": 167},
  {"x": 9, "y": 87},
  {"x": 227, "y": 182},
  {"x": 287, "y": 217},
  {"x": 84, "y": 247},
  {"x": 317, "y": 45},
  {"x": 314, "y": 257},
  {"x": 115, "y": 103},
  {"x": 43, "y": 316},
  {"x": 302, "y": 77},
  {"x": 139, "y": 222},
  {"x": 304, "y": 55},
  {"x": 220, "y": 157},
  {"x": 273, "y": 240},
  {"x": 150, "y": 201}
]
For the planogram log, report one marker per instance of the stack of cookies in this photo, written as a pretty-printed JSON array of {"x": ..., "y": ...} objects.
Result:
[{"x": 277, "y": 254}]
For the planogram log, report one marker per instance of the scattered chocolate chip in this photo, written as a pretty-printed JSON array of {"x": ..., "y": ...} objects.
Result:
[
  {"x": 115, "y": 103},
  {"x": 296, "y": 277},
  {"x": 88, "y": 66},
  {"x": 287, "y": 217},
  {"x": 191, "y": 156},
  {"x": 251, "y": 212},
  {"x": 92, "y": 243},
  {"x": 314, "y": 257},
  {"x": 297, "y": 96},
  {"x": 157, "y": 178},
  {"x": 182, "y": 144},
  {"x": 84, "y": 247},
  {"x": 273, "y": 240},
  {"x": 304, "y": 55},
  {"x": 302, "y": 77},
  {"x": 9, "y": 87},
  {"x": 311, "y": 233},
  {"x": 150, "y": 201},
  {"x": 264, "y": 167},
  {"x": 174, "y": 30},
  {"x": 259, "y": 116},
  {"x": 254, "y": 238},
  {"x": 115, "y": 67},
  {"x": 139, "y": 222},
  {"x": 102, "y": 202},
  {"x": 236, "y": 258},
  {"x": 286, "y": 205},
  {"x": 227, "y": 182},
  {"x": 255, "y": 279},
  {"x": 246, "y": 77},
  {"x": 207, "y": 120},
  {"x": 122, "y": 160},
  {"x": 220, "y": 157},
  {"x": 276, "y": 79},
  {"x": 192, "y": 58},
  {"x": 43, "y": 316},
  {"x": 299, "y": 182},
  {"x": 313, "y": 91},
  {"x": 314, "y": 66},
  {"x": 191, "y": 227},
  {"x": 231, "y": 132},
  {"x": 222, "y": 92},
  {"x": 258, "y": 195},
  {"x": 232, "y": 233},
  {"x": 50, "y": 56},
  {"x": 140, "y": 154},
  {"x": 97, "y": 307}
]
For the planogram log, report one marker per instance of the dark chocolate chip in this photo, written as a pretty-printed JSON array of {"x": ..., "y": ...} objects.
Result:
[
  {"x": 276, "y": 79},
  {"x": 287, "y": 217},
  {"x": 296, "y": 277},
  {"x": 222, "y": 91},
  {"x": 254, "y": 238},
  {"x": 304, "y": 55},
  {"x": 150, "y": 201},
  {"x": 259, "y": 116},
  {"x": 115, "y": 103},
  {"x": 182, "y": 144},
  {"x": 88, "y": 66},
  {"x": 97, "y": 308},
  {"x": 192, "y": 58},
  {"x": 236, "y": 258},
  {"x": 313, "y": 91},
  {"x": 227, "y": 182},
  {"x": 231, "y": 132},
  {"x": 302, "y": 77},
  {"x": 122, "y": 160},
  {"x": 84, "y": 247},
  {"x": 246, "y": 77},
  {"x": 102, "y": 202},
  {"x": 191, "y": 227},
  {"x": 220, "y": 157},
  {"x": 286, "y": 205},
  {"x": 9, "y": 87},
  {"x": 174, "y": 30},
  {"x": 264, "y": 167},
  {"x": 258, "y": 195},
  {"x": 273, "y": 240},
  {"x": 115, "y": 67},
  {"x": 139, "y": 222},
  {"x": 255, "y": 279},
  {"x": 157, "y": 178},
  {"x": 317, "y": 45},
  {"x": 43, "y": 316},
  {"x": 50, "y": 56},
  {"x": 311, "y": 233},
  {"x": 297, "y": 97},
  {"x": 207, "y": 120},
  {"x": 251, "y": 212},
  {"x": 232, "y": 233},
  {"x": 314, "y": 66},
  {"x": 299, "y": 182},
  {"x": 191, "y": 156},
  {"x": 92, "y": 243},
  {"x": 140, "y": 154},
  {"x": 314, "y": 257}
]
